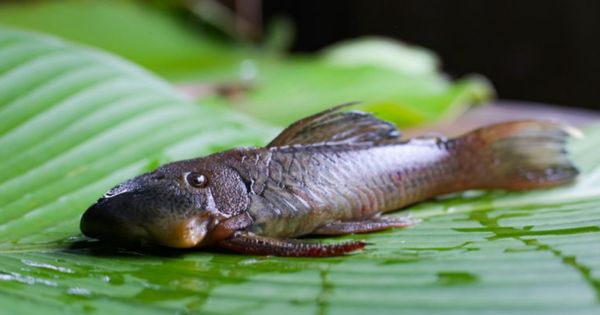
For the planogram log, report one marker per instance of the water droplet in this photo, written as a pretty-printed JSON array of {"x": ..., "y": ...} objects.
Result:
[
  {"x": 36, "y": 264},
  {"x": 13, "y": 276},
  {"x": 246, "y": 262},
  {"x": 79, "y": 291}
]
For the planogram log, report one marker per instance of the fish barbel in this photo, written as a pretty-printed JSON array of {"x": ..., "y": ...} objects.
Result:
[{"x": 332, "y": 173}]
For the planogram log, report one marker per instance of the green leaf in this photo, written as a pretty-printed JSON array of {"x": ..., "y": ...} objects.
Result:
[
  {"x": 400, "y": 83},
  {"x": 155, "y": 39},
  {"x": 285, "y": 90},
  {"x": 397, "y": 82},
  {"x": 74, "y": 121}
]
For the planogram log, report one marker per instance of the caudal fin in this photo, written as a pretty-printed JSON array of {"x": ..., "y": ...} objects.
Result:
[{"x": 521, "y": 155}]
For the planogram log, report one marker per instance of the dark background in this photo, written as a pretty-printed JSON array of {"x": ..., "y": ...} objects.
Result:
[{"x": 544, "y": 51}]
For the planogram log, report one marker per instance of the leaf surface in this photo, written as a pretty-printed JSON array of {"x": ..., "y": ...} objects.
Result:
[{"x": 74, "y": 122}]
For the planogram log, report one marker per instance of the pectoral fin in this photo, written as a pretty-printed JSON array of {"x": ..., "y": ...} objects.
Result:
[
  {"x": 333, "y": 126},
  {"x": 370, "y": 225},
  {"x": 248, "y": 243}
]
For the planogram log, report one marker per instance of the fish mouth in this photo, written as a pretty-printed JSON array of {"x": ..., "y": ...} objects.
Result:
[
  {"x": 106, "y": 221},
  {"x": 99, "y": 222},
  {"x": 183, "y": 234}
]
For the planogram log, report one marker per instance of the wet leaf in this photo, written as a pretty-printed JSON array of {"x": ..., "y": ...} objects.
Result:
[{"x": 74, "y": 121}]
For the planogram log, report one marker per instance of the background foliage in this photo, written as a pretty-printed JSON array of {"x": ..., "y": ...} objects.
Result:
[
  {"x": 269, "y": 84},
  {"x": 75, "y": 121}
]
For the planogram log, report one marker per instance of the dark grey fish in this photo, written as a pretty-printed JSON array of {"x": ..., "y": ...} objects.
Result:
[{"x": 332, "y": 173}]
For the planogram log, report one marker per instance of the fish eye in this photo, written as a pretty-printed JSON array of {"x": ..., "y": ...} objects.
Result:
[{"x": 196, "y": 179}]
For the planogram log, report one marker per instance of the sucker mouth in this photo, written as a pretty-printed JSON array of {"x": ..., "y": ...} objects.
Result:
[
  {"x": 179, "y": 235},
  {"x": 114, "y": 219}
]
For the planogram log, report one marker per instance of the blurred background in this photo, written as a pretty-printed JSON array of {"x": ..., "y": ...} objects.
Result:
[
  {"x": 543, "y": 51},
  {"x": 460, "y": 53}
]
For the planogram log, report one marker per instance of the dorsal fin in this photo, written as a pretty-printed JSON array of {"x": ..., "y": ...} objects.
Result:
[{"x": 333, "y": 126}]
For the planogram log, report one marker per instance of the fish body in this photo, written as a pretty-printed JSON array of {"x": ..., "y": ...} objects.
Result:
[
  {"x": 295, "y": 190},
  {"x": 331, "y": 173}
]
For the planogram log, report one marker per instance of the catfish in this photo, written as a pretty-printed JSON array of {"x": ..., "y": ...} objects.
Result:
[{"x": 334, "y": 173}]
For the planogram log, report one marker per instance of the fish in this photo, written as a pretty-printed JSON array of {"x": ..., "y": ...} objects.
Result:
[{"x": 336, "y": 172}]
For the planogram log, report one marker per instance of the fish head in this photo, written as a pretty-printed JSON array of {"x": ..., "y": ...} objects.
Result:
[{"x": 177, "y": 205}]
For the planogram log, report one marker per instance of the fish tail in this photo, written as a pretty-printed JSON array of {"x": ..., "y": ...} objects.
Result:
[{"x": 521, "y": 155}]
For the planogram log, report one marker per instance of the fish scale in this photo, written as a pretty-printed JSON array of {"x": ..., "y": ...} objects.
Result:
[{"x": 366, "y": 184}]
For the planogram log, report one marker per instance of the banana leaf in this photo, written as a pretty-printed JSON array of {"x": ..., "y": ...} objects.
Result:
[{"x": 75, "y": 121}]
